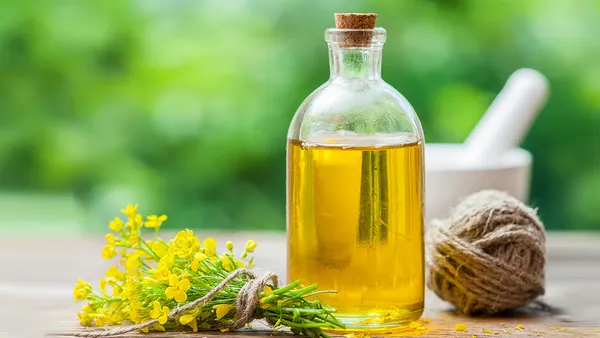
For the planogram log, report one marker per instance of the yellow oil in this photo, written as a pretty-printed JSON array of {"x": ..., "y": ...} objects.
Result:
[{"x": 355, "y": 225}]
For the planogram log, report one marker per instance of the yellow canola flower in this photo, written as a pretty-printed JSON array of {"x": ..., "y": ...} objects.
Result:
[
  {"x": 130, "y": 211},
  {"x": 251, "y": 245},
  {"x": 110, "y": 239},
  {"x": 194, "y": 325},
  {"x": 134, "y": 223},
  {"x": 110, "y": 249},
  {"x": 185, "y": 243},
  {"x": 210, "y": 246},
  {"x": 84, "y": 316},
  {"x": 161, "y": 314},
  {"x": 114, "y": 274},
  {"x": 134, "y": 240},
  {"x": 177, "y": 288},
  {"x": 102, "y": 286},
  {"x": 195, "y": 265},
  {"x": 198, "y": 258},
  {"x": 134, "y": 220},
  {"x": 116, "y": 224},
  {"x": 227, "y": 264},
  {"x": 81, "y": 290},
  {"x": 239, "y": 264},
  {"x": 262, "y": 303},
  {"x": 101, "y": 318},
  {"x": 129, "y": 290},
  {"x": 154, "y": 221},
  {"x": 133, "y": 264},
  {"x": 167, "y": 260},
  {"x": 189, "y": 320},
  {"x": 135, "y": 316},
  {"x": 159, "y": 248},
  {"x": 162, "y": 273},
  {"x": 150, "y": 268},
  {"x": 222, "y": 310},
  {"x": 185, "y": 319}
]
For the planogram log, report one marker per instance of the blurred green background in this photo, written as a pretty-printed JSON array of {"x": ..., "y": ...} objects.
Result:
[{"x": 183, "y": 106}]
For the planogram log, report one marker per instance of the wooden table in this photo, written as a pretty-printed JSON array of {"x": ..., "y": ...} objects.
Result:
[{"x": 37, "y": 276}]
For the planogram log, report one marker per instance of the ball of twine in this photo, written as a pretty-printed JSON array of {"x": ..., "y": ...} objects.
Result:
[{"x": 489, "y": 256}]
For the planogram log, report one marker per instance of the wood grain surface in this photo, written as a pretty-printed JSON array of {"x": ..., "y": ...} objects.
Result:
[{"x": 36, "y": 297}]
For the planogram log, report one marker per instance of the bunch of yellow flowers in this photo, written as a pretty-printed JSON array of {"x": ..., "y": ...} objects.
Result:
[{"x": 156, "y": 277}]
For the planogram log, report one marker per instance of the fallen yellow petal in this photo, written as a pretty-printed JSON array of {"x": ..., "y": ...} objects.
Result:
[
  {"x": 356, "y": 335},
  {"x": 425, "y": 320},
  {"x": 519, "y": 327},
  {"x": 489, "y": 331},
  {"x": 369, "y": 320},
  {"x": 460, "y": 327}
]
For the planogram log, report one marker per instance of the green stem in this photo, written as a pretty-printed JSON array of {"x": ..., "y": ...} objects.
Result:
[
  {"x": 304, "y": 310},
  {"x": 306, "y": 289},
  {"x": 320, "y": 292},
  {"x": 286, "y": 288},
  {"x": 304, "y": 325},
  {"x": 144, "y": 264},
  {"x": 331, "y": 319}
]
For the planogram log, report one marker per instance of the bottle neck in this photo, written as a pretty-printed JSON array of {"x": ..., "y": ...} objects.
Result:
[{"x": 355, "y": 63}]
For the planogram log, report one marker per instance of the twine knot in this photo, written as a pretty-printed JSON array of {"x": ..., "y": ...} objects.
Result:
[
  {"x": 489, "y": 256},
  {"x": 246, "y": 302}
]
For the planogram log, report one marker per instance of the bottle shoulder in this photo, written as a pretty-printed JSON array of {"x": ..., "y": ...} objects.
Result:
[{"x": 364, "y": 107}]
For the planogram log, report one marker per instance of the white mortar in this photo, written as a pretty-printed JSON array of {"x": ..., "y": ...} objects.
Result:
[{"x": 448, "y": 180}]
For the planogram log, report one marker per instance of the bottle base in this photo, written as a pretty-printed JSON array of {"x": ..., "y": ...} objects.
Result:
[{"x": 379, "y": 321}]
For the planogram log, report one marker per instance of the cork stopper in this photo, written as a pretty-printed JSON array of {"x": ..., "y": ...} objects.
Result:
[
  {"x": 355, "y": 20},
  {"x": 359, "y": 21}
]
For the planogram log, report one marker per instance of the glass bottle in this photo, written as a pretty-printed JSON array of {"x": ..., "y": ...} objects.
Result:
[{"x": 355, "y": 186}]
